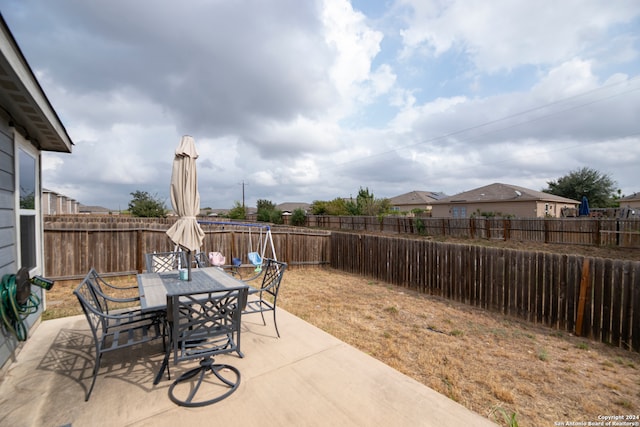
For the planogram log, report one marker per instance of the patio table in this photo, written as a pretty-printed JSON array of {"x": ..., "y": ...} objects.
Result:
[{"x": 154, "y": 287}]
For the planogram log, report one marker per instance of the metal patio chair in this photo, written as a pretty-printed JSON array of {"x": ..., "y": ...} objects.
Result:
[
  {"x": 159, "y": 262},
  {"x": 202, "y": 326},
  {"x": 114, "y": 329},
  {"x": 265, "y": 298}
]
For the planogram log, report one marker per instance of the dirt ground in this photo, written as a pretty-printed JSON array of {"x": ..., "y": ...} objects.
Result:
[{"x": 501, "y": 368}]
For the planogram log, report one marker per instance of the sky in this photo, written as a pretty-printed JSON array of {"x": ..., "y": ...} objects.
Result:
[{"x": 297, "y": 101}]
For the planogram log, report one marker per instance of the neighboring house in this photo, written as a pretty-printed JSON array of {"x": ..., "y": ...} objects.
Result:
[
  {"x": 632, "y": 201},
  {"x": 57, "y": 204},
  {"x": 94, "y": 210},
  {"x": 630, "y": 206},
  {"x": 415, "y": 200},
  {"x": 213, "y": 212},
  {"x": 502, "y": 200},
  {"x": 28, "y": 126},
  {"x": 287, "y": 208}
]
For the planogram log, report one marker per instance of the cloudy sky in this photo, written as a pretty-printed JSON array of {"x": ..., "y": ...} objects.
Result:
[{"x": 311, "y": 100}]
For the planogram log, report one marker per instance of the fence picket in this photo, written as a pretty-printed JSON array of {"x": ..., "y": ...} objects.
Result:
[{"x": 534, "y": 286}]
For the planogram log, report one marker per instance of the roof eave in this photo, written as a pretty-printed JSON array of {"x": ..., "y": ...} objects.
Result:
[{"x": 24, "y": 102}]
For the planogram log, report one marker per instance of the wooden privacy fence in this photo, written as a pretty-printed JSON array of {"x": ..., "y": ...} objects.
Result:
[
  {"x": 566, "y": 231},
  {"x": 592, "y": 297},
  {"x": 118, "y": 247}
]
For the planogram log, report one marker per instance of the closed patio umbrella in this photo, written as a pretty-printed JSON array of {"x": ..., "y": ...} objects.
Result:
[{"x": 185, "y": 199}]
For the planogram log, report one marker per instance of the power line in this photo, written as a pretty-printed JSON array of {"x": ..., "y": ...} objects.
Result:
[{"x": 512, "y": 116}]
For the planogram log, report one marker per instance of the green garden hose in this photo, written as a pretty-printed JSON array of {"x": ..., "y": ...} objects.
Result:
[{"x": 14, "y": 313}]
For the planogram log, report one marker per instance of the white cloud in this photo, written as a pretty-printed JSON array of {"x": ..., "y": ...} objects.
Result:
[
  {"x": 505, "y": 34},
  {"x": 355, "y": 46},
  {"x": 311, "y": 100},
  {"x": 569, "y": 78}
]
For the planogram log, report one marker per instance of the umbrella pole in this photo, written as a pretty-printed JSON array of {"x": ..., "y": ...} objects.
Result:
[{"x": 189, "y": 265}]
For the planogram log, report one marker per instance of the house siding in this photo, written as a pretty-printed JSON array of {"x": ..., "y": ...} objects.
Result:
[
  {"x": 522, "y": 209},
  {"x": 8, "y": 245},
  {"x": 8, "y": 264}
]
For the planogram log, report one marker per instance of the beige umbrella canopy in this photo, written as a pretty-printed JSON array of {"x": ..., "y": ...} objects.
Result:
[{"x": 185, "y": 198}]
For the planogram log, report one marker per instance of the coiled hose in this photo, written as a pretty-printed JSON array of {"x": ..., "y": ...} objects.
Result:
[{"x": 13, "y": 312}]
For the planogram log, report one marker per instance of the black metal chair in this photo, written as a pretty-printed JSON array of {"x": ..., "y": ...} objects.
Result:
[
  {"x": 159, "y": 262},
  {"x": 201, "y": 326},
  {"x": 201, "y": 260},
  {"x": 114, "y": 329},
  {"x": 111, "y": 291},
  {"x": 266, "y": 296}
]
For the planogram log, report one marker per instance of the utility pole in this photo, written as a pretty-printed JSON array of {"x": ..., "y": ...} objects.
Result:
[{"x": 243, "y": 184}]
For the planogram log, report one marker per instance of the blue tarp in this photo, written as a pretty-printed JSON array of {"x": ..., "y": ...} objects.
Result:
[{"x": 584, "y": 207}]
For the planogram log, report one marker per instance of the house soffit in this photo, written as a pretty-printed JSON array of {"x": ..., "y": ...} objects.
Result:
[{"x": 23, "y": 102}]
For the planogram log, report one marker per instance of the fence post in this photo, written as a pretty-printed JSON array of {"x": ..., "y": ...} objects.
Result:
[
  {"x": 546, "y": 230},
  {"x": 596, "y": 237},
  {"x": 506, "y": 229},
  {"x": 584, "y": 285},
  {"x": 139, "y": 252}
]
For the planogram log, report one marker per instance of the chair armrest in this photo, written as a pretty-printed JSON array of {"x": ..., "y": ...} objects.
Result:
[
  {"x": 117, "y": 288},
  {"x": 114, "y": 299},
  {"x": 135, "y": 315}
]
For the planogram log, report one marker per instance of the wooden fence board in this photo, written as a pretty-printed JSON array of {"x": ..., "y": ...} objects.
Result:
[
  {"x": 635, "y": 307},
  {"x": 598, "y": 298},
  {"x": 626, "y": 317},
  {"x": 607, "y": 301},
  {"x": 617, "y": 303},
  {"x": 533, "y": 286},
  {"x": 572, "y": 291},
  {"x": 566, "y": 231}
]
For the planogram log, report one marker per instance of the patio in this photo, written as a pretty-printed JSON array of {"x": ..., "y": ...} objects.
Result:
[{"x": 307, "y": 377}]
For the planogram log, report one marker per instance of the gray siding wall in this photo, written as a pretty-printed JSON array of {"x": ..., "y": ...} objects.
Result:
[{"x": 8, "y": 252}]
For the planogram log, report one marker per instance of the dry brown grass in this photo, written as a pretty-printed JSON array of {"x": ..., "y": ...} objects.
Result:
[{"x": 482, "y": 360}]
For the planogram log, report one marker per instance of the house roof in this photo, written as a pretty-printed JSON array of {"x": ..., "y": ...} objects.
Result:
[
  {"x": 292, "y": 206},
  {"x": 416, "y": 198},
  {"x": 498, "y": 192},
  {"x": 22, "y": 100},
  {"x": 630, "y": 198},
  {"x": 92, "y": 209}
]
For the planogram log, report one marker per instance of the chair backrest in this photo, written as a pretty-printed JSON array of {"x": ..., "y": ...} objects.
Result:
[
  {"x": 158, "y": 262},
  {"x": 273, "y": 272},
  {"x": 205, "y": 324},
  {"x": 95, "y": 282},
  {"x": 201, "y": 260},
  {"x": 91, "y": 305}
]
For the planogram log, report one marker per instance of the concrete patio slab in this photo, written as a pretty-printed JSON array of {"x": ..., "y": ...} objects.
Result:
[{"x": 305, "y": 378}]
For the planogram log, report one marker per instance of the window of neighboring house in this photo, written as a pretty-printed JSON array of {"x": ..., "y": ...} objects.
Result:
[
  {"x": 455, "y": 212},
  {"x": 463, "y": 212},
  {"x": 27, "y": 189}
]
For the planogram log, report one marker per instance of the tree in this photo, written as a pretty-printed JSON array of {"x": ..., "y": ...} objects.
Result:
[
  {"x": 337, "y": 206},
  {"x": 237, "y": 212},
  {"x": 365, "y": 204},
  {"x": 598, "y": 187},
  {"x": 146, "y": 206},
  {"x": 318, "y": 207},
  {"x": 370, "y": 206},
  {"x": 265, "y": 210},
  {"x": 298, "y": 217}
]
